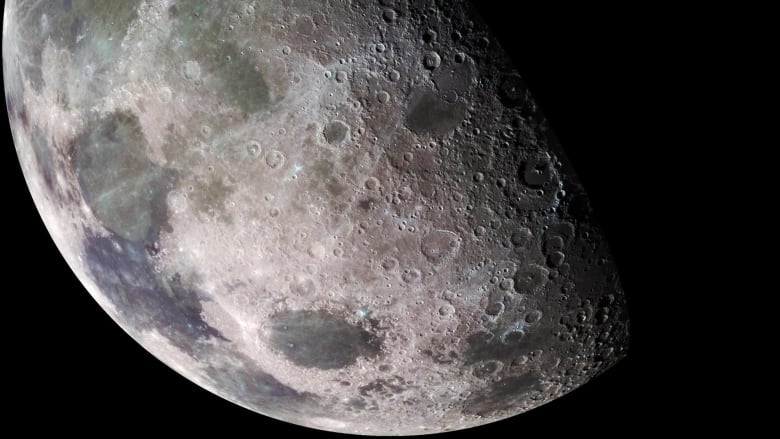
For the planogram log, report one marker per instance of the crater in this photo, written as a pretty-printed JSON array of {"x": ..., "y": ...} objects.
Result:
[
  {"x": 531, "y": 278},
  {"x": 439, "y": 245},
  {"x": 318, "y": 339},
  {"x": 512, "y": 90},
  {"x": 335, "y": 132}
]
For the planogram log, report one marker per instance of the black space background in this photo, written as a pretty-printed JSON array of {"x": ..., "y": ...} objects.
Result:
[{"x": 599, "y": 75}]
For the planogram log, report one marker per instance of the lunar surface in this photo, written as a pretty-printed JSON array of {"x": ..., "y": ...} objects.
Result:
[{"x": 348, "y": 215}]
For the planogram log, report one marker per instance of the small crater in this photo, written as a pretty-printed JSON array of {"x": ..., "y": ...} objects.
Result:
[
  {"x": 405, "y": 193},
  {"x": 533, "y": 316},
  {"x": 446, "y": 310},
  {"x": 254, "y": 149},
  {"x": 431, "y": 60},
  {"x": 531, "y": 278},
  {"x": 383, "y": 97},
  {"x": 335, "y": 132},
  {"x": 303, "y": 287},
  {"x": 507, "y": 284},
  {"x": 553, "y": 244},
  {"x": 494, "y": 309},
  {"x": 274, "y": 159},
  {"x": 512, "y": 90},
  {"x": 411, "y": 275},
  {"x": 317, "y": 250},
  {"x": 538, "y": 171},
  {"x": 390, "y": 263},
  {"x": 555, "y": 259},
  {"x": 191, "y": 70},
  {"x": 165, "y": 95},
  {"x": 522, "y": 238},
  {"x": 486, "y": 369},
  {"x": 372, "y": 183},
  {"x": 563, "y": 230},
  {"x": 304, "y": 25},
  {"x": 440, "y": 245}
]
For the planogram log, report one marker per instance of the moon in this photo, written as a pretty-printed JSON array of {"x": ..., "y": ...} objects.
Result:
[{"x": 350, "y": 216}]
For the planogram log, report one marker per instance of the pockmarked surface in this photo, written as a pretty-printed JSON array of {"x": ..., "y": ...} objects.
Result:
[{"x": 348, "y": 215}]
